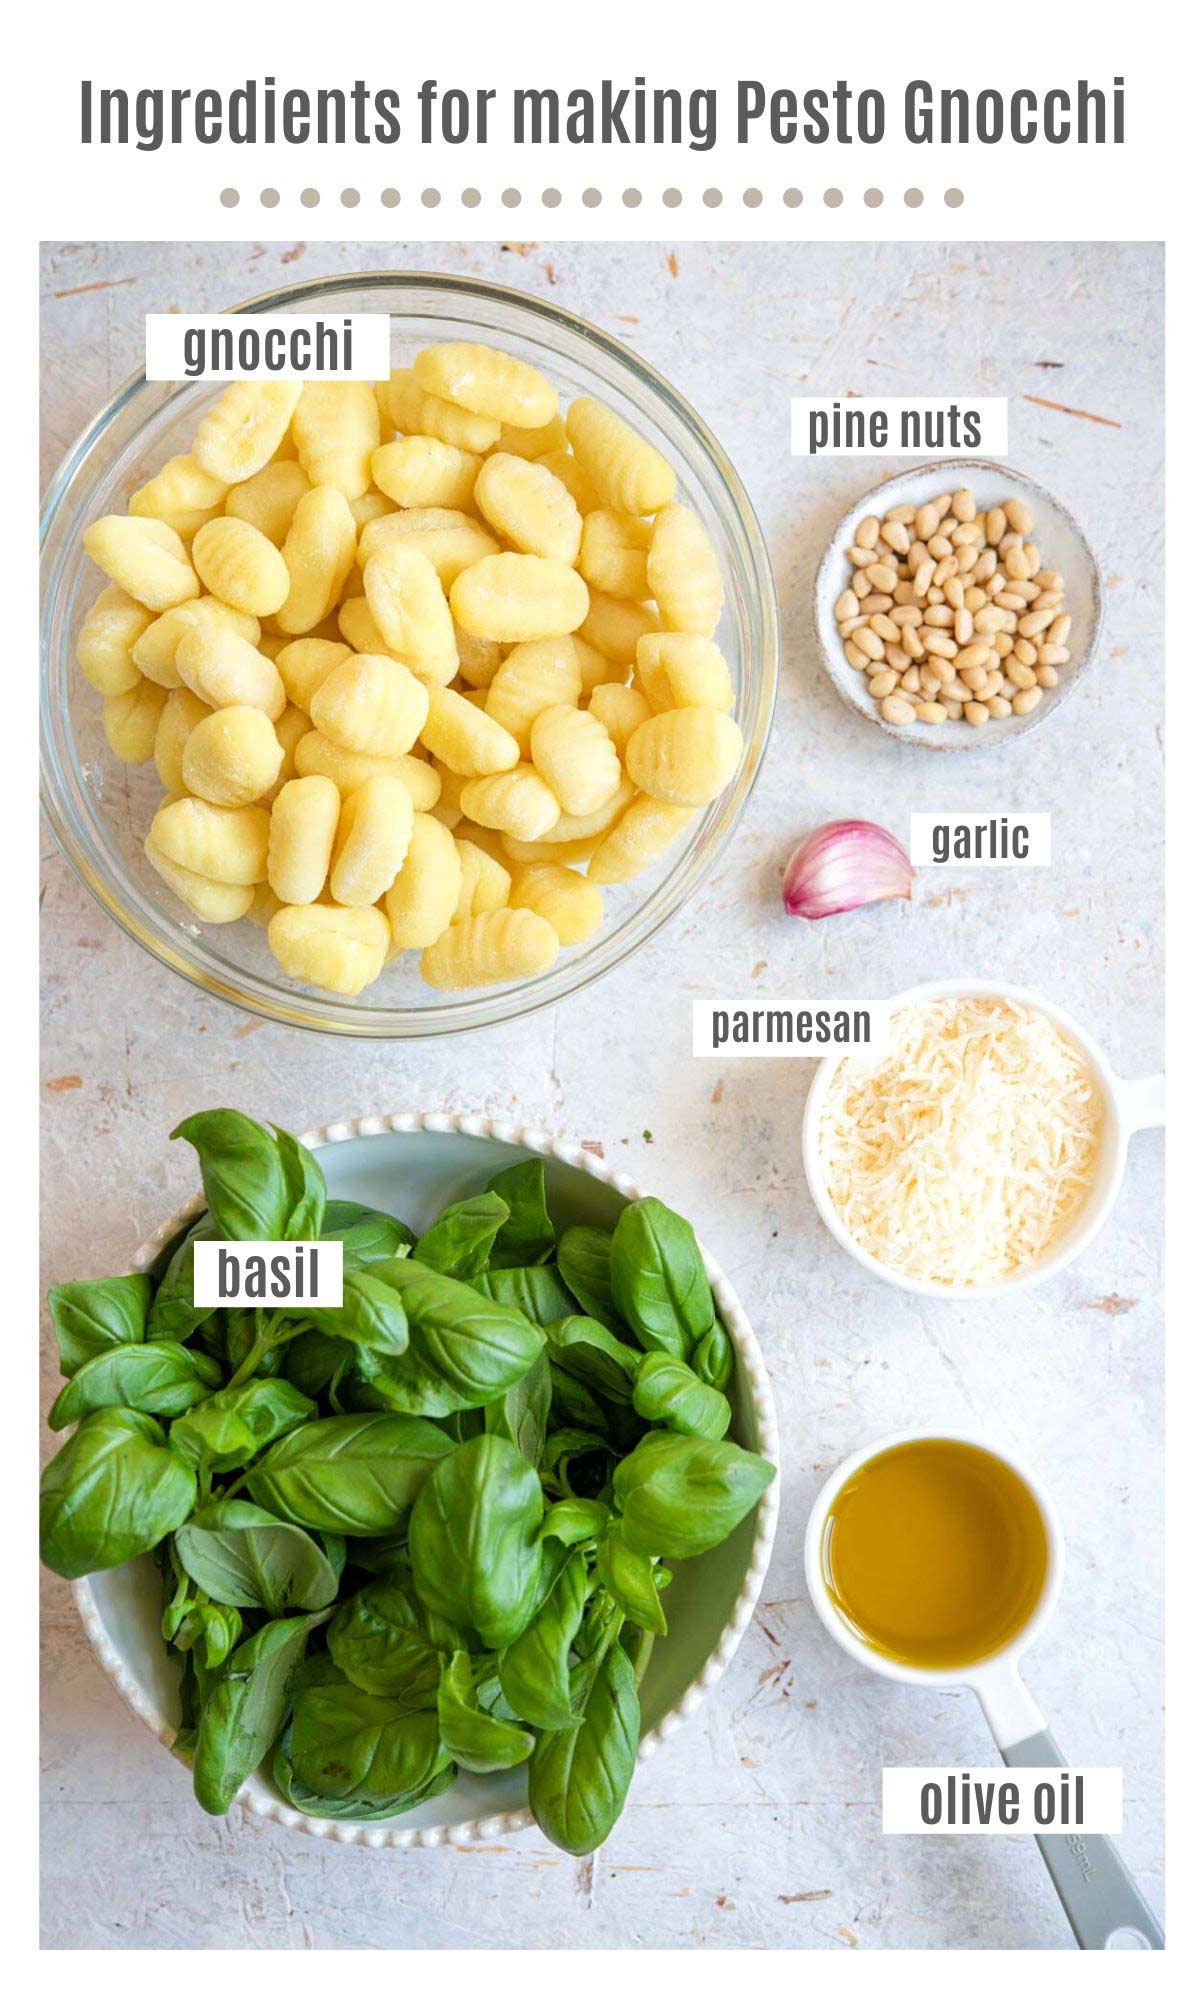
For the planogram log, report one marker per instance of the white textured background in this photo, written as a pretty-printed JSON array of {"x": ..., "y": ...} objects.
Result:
[{"x": 758, "y": 1825}]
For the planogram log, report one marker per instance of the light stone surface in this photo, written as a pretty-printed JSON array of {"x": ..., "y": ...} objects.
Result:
[{"x": 758, "y": 1824}]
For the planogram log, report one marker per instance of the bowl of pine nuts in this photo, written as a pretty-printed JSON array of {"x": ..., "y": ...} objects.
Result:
[{"x": 957, "y": 605}]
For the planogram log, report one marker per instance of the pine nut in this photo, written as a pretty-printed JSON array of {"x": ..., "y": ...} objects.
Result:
[
  {"x": 973, "y": 656},
  {"x": 941, "y": 670},
  {"x": 954, "y": 710},
  {"x": 1046, "y": 677},
  {"x": 859, "y": 556},
  {"x": 860, "y": 583},
  {"x": 975, "y": 678},
  {"x": 976, "y": 713},
  {"x": 997, "y": 707},
  {"x": 964, "y": 627},
  {"x": 907, "y": 614},
  {"x": 910, "y": 639},
  {"x": 846, "y": 605},
  {"x": 930, "y": 711},
  {"x": 882, "y": 577},
  {"x": 962, "y": 506},
  {"x": 857, "y": 659},
  {"x": 1022, "y": 676},
  {"x": 870, "y": 643},
  {"x": 881, "y": 684},
  {"x": 867, "y": 532},
  {"x": 896, "y": 657},
  {"x": 896, "y": 535},
  {"x": 882, "y": 624},
  {"x": 1025, "y": 701},
  {"x": 1034, "y": 623},
  {"x": 905, "y": 514},
  {"x": 849, "y": 626},
  {"x": 911, "y": 681},
  {"x": 1019, "y": 516},
  {"x": 937, "y": 642},
  {"x": 1053, "y": 656},
  {"x": 875, "y": 600},
  {"x": 956, "y": 592},
  {"x": 926, "y": 522},
  {"x": 996, "y": 525},
  {"x": 940, "y": 615},
  {"x": 894, "y": 708},
  {"x": 939, "y": 546}
]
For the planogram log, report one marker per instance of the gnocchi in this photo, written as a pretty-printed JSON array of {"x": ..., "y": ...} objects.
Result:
[{"x": 421, "y": 667}]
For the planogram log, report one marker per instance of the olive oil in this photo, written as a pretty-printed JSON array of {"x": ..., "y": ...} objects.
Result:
[{"x": 935, "y": 1553}]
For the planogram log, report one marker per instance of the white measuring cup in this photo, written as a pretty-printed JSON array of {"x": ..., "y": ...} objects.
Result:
[
  {"x": 1103, "y": 1904},
  {"x": 1130, "y": 1105}
]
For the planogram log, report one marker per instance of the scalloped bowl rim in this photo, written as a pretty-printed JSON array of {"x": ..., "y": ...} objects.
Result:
[{"x": 255, "y": 1794}]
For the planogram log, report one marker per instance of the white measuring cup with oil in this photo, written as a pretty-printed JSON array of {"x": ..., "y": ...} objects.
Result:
[{"x": 1103, "y": 1905}]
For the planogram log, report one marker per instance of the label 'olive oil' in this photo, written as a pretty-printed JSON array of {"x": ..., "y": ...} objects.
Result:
[{"x": 935, "y": 1553}]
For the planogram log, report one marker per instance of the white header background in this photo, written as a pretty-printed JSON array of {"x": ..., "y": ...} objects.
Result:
[{"x": 1036, "y": 190}]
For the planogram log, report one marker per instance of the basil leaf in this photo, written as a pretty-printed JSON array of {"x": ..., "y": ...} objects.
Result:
[
  {"x": 160, "y": 1378},
  {"x": 244, "y": 1713},
  {"x": 532, "y": 1289},
  {"x": 368, "y": 1235},
  {"x": 460, "y": 1241},
  {"x": 305, "y": 1183},
  {"x": 370, "y": 1315},
  {"x": 112, "y": 1492},
  {"x": 629, "y": 1580},
  {"x": 348, "y": 1743},
  {"x": 585, "y": 1348},
  {"x": 523, "y": 1412},
  {"x": 575, "y": 1404},
  {"x": 232, "y": 1426},
  {"x": 572, "y": 1521},
  {"x": 535, "y": 1670},
  {"x": 242, "y": 1330},
  {"x": 679, "y": 1496},
  {"x": 658, "y": 1278},
  {"x": 378, "y": 1641},
  {"x": 174, "y": 1315},
  {"x": 527, "y": 1237},
  {"x": 463, "y": 1351},
  {"x": 477, "y": 1741},
  {"x": 212, "y": 1631},
  {"x": 351, "y": 1475},
  {"x": 579, "y": 1777},
  {"x": 245, "y": 1184},
  {"x": 240, "y": 1554},
  {"x": 712, "y": 1357},
  {"x": 584, "y": 1263},
  {"x": 473, "y": 1540},
  {"x": 667, "y": 1392},
  {"x": 319, "y": 1807},
  {"x": 98, "y": 1314}
]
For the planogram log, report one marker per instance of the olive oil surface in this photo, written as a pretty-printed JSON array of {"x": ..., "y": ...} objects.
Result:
[{"x": 935, "y": 1553}]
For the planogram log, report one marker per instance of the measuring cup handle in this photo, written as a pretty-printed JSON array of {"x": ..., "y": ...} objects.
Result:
[
  {"x": 1143, "y": 1101},
  {"x": 1104, "y": 1906}
]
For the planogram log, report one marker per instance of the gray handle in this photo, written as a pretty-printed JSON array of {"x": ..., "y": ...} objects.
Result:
[{"x": 1105, "y": 1908}]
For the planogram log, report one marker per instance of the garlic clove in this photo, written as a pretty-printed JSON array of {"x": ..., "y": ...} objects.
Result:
[{"x": 843, "y": 865}]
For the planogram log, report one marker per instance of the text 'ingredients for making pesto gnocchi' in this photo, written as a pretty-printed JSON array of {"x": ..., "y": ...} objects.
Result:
[
  {"x": 421, "y": 666},
  {"x": 950, "y": 614}
]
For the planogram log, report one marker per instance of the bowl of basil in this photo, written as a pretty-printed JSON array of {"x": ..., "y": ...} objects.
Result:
[{"x": 446, "y": 1560}]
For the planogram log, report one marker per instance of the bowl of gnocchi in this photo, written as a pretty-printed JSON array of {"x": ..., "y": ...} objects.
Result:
[{"x": 396, "y": 708}]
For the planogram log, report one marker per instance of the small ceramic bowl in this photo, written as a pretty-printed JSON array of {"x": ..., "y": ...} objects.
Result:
[
  {"x": 1063, "y": 547},
  {"x": 414, "y": 1164},
  {"x": 1130, "y": 1105}
]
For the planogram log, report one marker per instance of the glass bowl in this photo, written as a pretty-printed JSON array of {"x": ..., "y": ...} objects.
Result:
[{"x": 100, "y": 810}]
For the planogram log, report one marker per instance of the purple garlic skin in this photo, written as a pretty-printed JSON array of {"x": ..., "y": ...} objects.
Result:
[{"x": 843, "y": 865}]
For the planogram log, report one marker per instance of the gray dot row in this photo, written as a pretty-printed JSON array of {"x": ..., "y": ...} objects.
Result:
[{"x": 592, "y": 197}]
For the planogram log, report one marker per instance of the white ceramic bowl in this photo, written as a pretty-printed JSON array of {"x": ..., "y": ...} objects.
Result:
[
  {"x": 1063, "y": 546},
  {"x": 1129, "y": 1106},
  {"x": 414, "y": 1164}
]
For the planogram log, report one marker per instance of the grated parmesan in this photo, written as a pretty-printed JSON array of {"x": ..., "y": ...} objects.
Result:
[{"x": 970, "y": 1149}]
